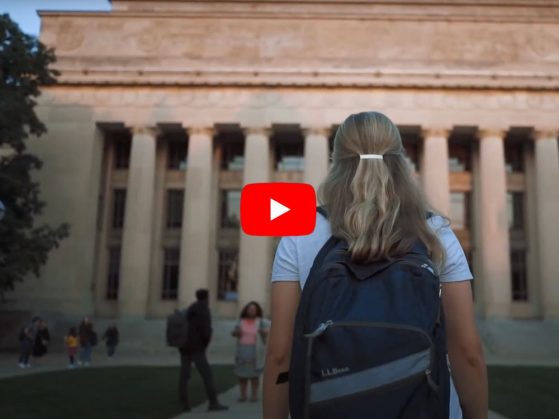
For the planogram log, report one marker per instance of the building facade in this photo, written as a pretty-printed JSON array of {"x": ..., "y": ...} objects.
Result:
[{"x": 164, "y": 110}]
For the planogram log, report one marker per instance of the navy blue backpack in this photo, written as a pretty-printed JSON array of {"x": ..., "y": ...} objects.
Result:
[{"x": 369, "y": 339}]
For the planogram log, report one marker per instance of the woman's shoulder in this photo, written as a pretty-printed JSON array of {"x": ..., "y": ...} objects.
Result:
[
  {"x": 320, "y": 234},
  {"x": 442, "y": 228},
  {"x": 437, "y": 221}
]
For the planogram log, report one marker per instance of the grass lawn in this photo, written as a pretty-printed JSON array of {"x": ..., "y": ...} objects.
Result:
[
  {"x": 151, "y": 392},
  {"x": 524, "y": 392},
  {"x": 114, "y": 392}
]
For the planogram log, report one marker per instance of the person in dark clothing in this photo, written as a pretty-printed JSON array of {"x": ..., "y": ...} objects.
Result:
[
  {"x": 199, "y": 336},
  {"x": 88, "y": 339},
  {"x": 42, "y": 339},
  {"x": 25, "y": 347},
  {"x": 111, "y": 339}
]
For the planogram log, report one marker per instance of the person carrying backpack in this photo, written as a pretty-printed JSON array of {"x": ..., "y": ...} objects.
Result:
[
  {"x": 365, "y": 308},
  {"x": 199, "y": 334}
]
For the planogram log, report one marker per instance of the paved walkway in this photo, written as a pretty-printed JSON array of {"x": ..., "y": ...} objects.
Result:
[{"x": 245, "y": 410}]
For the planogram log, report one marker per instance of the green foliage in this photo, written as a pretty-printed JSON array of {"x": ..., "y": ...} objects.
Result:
[{"x": 24, "y": 68}]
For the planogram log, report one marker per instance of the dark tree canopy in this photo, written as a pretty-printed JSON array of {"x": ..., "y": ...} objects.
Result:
[{"x": 24, "y": 68}]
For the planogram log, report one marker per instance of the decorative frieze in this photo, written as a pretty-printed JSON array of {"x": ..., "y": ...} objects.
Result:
[{"x": 262, "y": 98}]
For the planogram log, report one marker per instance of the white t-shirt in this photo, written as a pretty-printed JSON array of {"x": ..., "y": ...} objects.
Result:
[{"x": 295, "y": 256}]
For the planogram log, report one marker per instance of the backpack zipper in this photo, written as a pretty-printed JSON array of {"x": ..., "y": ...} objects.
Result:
[{"x": 322, "y": 327}]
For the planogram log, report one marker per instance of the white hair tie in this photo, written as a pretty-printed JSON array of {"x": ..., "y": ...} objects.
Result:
[{"x": 370, "y": 156}]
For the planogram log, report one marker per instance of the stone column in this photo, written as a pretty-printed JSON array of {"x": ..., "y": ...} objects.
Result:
[
  {"x": 434, "y": 169},
  {"x": 255, "y": 252},
  {"x": 316, "y": 155},
  {"x": 495, "y": 274},
  {"x": 137, "y": 235},
  {"x": 196, "y": 220},
  {"x": 547, "y": 204}
]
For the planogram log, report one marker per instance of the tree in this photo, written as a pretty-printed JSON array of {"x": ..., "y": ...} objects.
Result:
[{"x": 24, "y": 67}]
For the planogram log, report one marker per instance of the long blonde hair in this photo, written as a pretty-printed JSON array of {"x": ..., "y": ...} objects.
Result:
[{"x": 375, "y": 205}]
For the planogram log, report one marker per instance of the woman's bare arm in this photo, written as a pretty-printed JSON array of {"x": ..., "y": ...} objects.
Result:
[
  {"x": 285, "y": 299},
  {"x": 464, "y": 349}
]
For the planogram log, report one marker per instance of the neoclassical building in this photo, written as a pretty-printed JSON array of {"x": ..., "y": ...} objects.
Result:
[{"x": 165, "y": 109}]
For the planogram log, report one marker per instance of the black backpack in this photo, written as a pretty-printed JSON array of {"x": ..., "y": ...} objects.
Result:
[
  {"x": 177, "y": 328},
  {"x": 369, "y": 339}
]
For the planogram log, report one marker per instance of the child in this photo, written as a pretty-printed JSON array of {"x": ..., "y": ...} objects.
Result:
[
  {"x": 25, "y": 347},
  {"x": 71, "y": 341},
  {"x": 111, "y": 339}
]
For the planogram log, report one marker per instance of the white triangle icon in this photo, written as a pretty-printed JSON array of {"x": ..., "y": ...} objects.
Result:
[{"x": 277, "y": 209}]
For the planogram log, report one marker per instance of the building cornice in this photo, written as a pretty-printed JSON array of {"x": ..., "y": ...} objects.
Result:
[
  {"x": 319, "y": 78},
  {"x": 519, "y": 16}
]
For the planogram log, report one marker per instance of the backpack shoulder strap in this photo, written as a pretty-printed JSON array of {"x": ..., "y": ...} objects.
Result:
[
  {"x": 329, "y": 245},
  {"x": 326, "y": 247},
  {"x": 322, "y": 211},
  {"x": 324, "y": 250}
]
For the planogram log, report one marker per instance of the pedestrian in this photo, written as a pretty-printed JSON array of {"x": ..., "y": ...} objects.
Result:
[
  {"x": 111, "y": 339},
  {"x": 373, "y": 211},
  {"x": 26, "y": 340},
  {"x": 194, "y": 351},
  {"x": 88, "y": 339},
  {"x": 71, "y": 341},
  {"x": 251, "y": 332},
  {"x": 42, "y": 339}
]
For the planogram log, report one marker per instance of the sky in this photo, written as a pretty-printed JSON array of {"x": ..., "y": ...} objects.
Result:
[{"x": 24, "y": 12}]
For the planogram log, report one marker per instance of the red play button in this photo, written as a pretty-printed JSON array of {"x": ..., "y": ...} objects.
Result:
[{"x": 278, "y": 209}]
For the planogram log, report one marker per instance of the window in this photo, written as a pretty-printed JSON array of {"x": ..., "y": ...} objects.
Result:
[
  {"x": 100, "y": 207},
  {"x": 228, "y": 275},
  {"x": 119, "y": 208},
  {"x": 460, "y": 210},
  {"x": 113, "y": 274},
  {"x": 514, "y": 157},
  {"x": 412, "y": 155},
  {"x": 289, "y": 151},
  {"x": 233, "y": 155},
  {"x": 170, "y": 274},
  {"x": 331, "y": 139},
  {"x": 515, "y": 204},
  {"x": 122, "y": 148},
  {"x": 175, "y": 202},
  {"x": 230, "y": 208},
  {"x": 518, "y": 273},
  {"x": 459, "y": 157},
  {"x": 177, "y": 154}
]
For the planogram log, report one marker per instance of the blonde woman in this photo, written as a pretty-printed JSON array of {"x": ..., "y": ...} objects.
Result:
[{"x": 374, "y": 204}]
